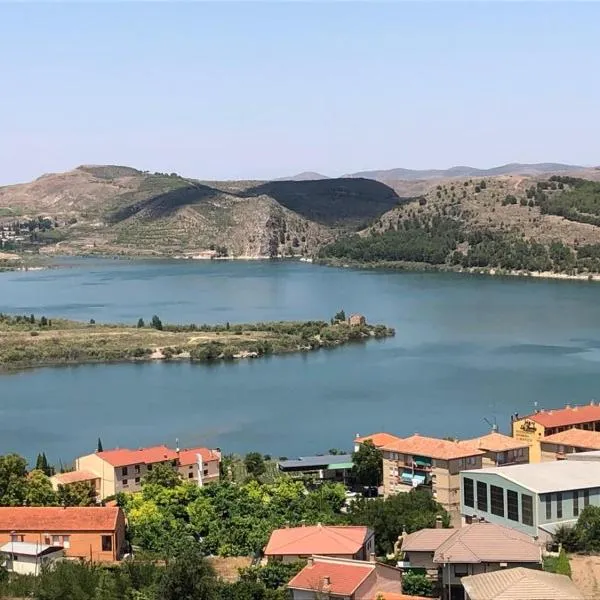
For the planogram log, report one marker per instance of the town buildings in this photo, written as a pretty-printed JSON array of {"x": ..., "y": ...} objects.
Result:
[
  {"x": 501, "y": 450},
  {"x": 449, "y": 554},
  {"x": 534, "y": 498},
  {"x": 570, "y": 441},
  {"x": 330, "y": 467},
  {"x": 344, "y": 579},
  {"x": 122, "y": 470},
  {"x": 520, "y": 584},
  {"x": 296, "y": 543},
  {"x": 26, "y": 558},
  {"x": 92, "y": 533},
  {"x": 532, "y": 428}
]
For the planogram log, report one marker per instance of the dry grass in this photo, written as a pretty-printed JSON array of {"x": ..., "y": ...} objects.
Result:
[
  {"x": 586, "y": 575},
  {"x": 227, "y": 568}
]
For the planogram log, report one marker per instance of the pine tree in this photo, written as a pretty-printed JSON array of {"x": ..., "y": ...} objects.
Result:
[{"x": 99, "y": 448}]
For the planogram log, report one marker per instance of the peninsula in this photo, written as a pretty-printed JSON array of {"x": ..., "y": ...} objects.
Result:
[{"x": 30, "y": 341}]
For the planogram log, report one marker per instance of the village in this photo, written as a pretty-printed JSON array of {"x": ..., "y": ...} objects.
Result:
[{"x": 507, "y": 505}]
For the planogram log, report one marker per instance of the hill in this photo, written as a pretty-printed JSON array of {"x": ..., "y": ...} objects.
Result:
[
  {"x": 304, "y": 176},
  {"x": 115, "y": 209}
]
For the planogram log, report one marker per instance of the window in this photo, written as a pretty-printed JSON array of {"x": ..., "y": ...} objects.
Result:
[
  {"x": 137, "y": 468},
  {"x": 548, "y": 503},
  {"x": 190, "y": 467},
  {"x": 520, "y": 452},
  {"x": 469, "y": 499},
  {"x": 47, "y": 540},
  {"x": 137, "y": 479},
  {"x": 148, "y": 467},
  {"x": 106, "y": 543},
  {"x": 56, "y": 540},
  {"x": 497, "y": 500},
  {"x": 461, "y": 570},
  {"x": 66, "y": 541},
  {"x": 190, "y": 476},
  {"x": 559, "y": 505},
  {"x": 576, "y": 503},
  {"x": 125, "y": 482},
  {"x": 482, "y": 499},
  {"x": 173, "y": 463},
  {"x": 16, "y": 538},
  {"x": 206, "y": 472},
  {"x": 512, "y": 505},
  {"x": 526, "y": 509},
  {"x": 124, "y": 471},
  {"x": 586, "y": 498}
]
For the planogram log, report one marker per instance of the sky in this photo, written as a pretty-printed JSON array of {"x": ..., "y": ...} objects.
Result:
[{"x": 249, "y": 90}]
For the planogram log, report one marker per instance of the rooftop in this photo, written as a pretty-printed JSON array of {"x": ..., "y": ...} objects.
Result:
[
  {"x": 189, "y": 456},
  {"x": 53, "y": 518},
  {"x": 73, "y": 477},
  {"x": 29, "y": 549},
  {"x": 307, "y": 462},
  {"x": 426, "y": 540},
  {"x": 433, "y": 447},
  {"x": 520, "y": 583},
  {"x": 379, "y": 439},
  {"x": 545, "y": 477},
  {"x": 318, "y": 539},
  {"x": 121, "y": 457},
  {"x": 394, "y": 596},
  {"x": 344, "y": 577},
  {"x": 579, "y": 438},
  {"x": 569, "y": 415},
  {"x": 497, "y": 442}
]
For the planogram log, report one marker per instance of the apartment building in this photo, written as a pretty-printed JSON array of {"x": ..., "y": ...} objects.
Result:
[
  {"x": 571, "y": 441},
  {"x": 501, "y": 450},
  {"x": 543, "y": 423},
  {"x": 123, "y": 470},
  {"x": 92, "y": 533}
]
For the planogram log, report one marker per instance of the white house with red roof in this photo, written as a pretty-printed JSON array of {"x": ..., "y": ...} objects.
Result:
[
  {"x": 297, "y": 543},
  {"x": 122, "y": 469}
]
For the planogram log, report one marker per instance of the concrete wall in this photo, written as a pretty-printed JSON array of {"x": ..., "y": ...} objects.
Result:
[{"x": 568, "y": 505}]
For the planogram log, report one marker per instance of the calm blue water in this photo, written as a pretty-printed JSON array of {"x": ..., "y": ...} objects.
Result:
[{"x": 465, "y": 348}]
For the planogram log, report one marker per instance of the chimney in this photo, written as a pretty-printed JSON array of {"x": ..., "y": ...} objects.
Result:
[
  {"x": 372, "y": 557},
  {"x": 310, "y": 562},
  {"x": 438, "y": 522},
  {"x": 567, "y": 406},
  {"x": 326, "y": 584},
  {"x": 592, "y": 403}
]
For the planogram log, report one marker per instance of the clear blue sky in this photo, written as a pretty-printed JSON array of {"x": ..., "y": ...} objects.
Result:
[{"x": 257, "y": 90}]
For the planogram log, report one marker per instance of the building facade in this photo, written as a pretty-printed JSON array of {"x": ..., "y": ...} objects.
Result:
[
  {"x": 501, "y": 450},
  {"x": 92, "y": 533},
  {"x": 571, "y": 441},
  {"x": 534, "y": 499}
]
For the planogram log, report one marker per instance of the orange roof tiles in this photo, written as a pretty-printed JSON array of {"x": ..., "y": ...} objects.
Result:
[
  {"x": 52, "y": 518},
  {"x": 318, "y": 539},
  {"x": 74, "y": 476},
  {"x": 579, "y": 438},
  {"x": 564, "y": 417},
  {"x": 496, "y": 442},
  {"x": 433, "y": 448},
  {"x": 394, "y": 596},
  {"x": 187, "y": 456},
  {"x": 123, "y": 457},
  {"x": 379, "y": 439},
  {"x": 344, "y": 577}
]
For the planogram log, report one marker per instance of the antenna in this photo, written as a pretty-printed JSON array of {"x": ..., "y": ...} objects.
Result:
[
  {"x": 176, "y": 444},
  {"x": 493, "y": 426}
]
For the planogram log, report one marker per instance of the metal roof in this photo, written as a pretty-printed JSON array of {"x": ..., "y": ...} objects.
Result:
[
  {"x": 546, "y": 477},
  {"x": 328, "y": 461},
  {"x": 29, "y": 549}
]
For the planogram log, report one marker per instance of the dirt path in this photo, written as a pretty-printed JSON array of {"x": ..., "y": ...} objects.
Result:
[{"x": 586, "y": 575}]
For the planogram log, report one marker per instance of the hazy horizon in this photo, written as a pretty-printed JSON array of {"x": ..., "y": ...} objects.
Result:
[{"x": 267, "y": 90}]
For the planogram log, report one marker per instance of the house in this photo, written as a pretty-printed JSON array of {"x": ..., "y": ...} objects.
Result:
[
  {"x": 520, "y": 583},
  {"x": 331, "y": 467},
  {"x": 501, "y": 450},
  {"x": 297, "y": 543},
  {"x": 76, "y": 477},
  {"x": 122, "y": 470},
  {"x": 379, "y": 440},
  {"x": 356, "y": 320},
  {"x": 339, "y": 578},
  {"x": 26, "y": 558},
  {"x": 532, "y": 428},
  {"x": 93, "y": 533},
  {"x": 434, "y": 463},
  {"x": 570, "y": 441},
  {"x": 534, "y": 499},
  {"x": 449, "y": 554}
]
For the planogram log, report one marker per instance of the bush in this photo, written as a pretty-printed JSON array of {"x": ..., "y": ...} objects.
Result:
[{"x": 416, "y": 584}]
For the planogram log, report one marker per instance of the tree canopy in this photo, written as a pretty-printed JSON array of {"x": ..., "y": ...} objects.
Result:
[{"x": 368, "y": 464}]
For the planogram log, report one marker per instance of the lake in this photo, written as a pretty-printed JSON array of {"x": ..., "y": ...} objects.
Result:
[{"x": 467, "y": 348}]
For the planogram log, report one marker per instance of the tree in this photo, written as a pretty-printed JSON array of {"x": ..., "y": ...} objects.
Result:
[
  {"x": 140, "y": 323},
  {"x": 39, "y": 490},
  {"x": 562, "y": 564},
  {"x": 587, "y": 529},
  {"x": 13, "y": 484},
  {"x": 368, "y": 464},
  {"x": 416, "y": 584},
  {"x": 255, "y": 464},
  {"x": 43, "y": 322},
  {"x": 340, "y": 316},
  {"x": 188, "y": 577},
  {"x": 99, "y": 447},
  {"x": 163, "y": 475},
  {"x": 79, "y": 493},
  {"x": 156, "y": 323}
]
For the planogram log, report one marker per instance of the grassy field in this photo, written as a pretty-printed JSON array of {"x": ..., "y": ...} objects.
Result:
[{"x": 29, "y": 341}]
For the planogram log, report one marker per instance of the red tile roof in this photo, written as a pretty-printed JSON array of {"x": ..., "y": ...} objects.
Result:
[
  {"x": 74, "y": 476},
  {"x": 344, "y": 577},
  {"x": 579, "y": 438},
  {"x": 187, "y": 456},
  {"x": 497, "y": 442},
  {"x": 394, "y": 596},
  {"x": 318, "y": 539},
  {"x": 121, "y": 457},
  {"x": 379, "y": 439},
  {"x": 419, "y": 445},
  {"x": 563, "y": 417},
  {"x": 52, "y": 518}
]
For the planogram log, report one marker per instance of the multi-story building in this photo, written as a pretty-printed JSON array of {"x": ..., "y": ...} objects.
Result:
[
  {"x": 535, "y": 498},
  {"x": 122, "y": 470},
  {"x": 292, "y": 544},
  {"x": 558, "y": 445},
  {"x": 501, "y": 450},
  {"x": 94, "y": 533},
  {"x": 533, "y": 428}
]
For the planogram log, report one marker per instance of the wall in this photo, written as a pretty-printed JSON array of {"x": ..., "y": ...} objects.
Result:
[
  {"x": 568, "y": 505},
  {"x": 29, "y": 565},
  {"x": 531, "y": 432},
  {"x": 450, "y": 576},
  {"x": 383, "y": 579},
  {"x": 98, "y": 466},
  {"x": 421, "y": 560}
]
